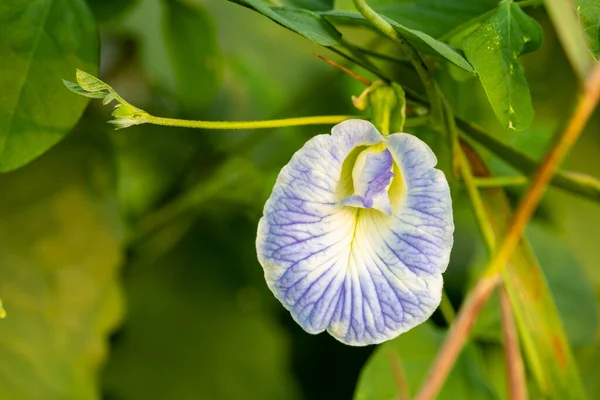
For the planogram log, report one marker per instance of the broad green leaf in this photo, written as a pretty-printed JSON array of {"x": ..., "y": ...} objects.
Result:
[
  {"x": 434, "y": 17},
  {"x": 589, "y": 14},
  {"x": 570, "y": 31},
  {"x": 419, "y": 39},
  {"x": 542, "y": 334},
  {"x": 493, "y": 49},
  {"x": 304, "y": 22},
  {"x": 568, "y": 284},
  {"x": 200, "y": 325},
  {"x": 60, "y": 254},
  {"x": 41, "y": 42},
  {"x": 414, "y": 352},
  {"x": 192, "y": 44}
]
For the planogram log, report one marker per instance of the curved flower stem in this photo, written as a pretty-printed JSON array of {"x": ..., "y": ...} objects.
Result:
[
  {"x": 273, "y": 123},
  {"x": 515, "y": 373},
  {"x": 413, "y": 56}
]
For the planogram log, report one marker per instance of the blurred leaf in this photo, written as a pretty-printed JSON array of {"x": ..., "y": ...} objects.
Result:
[
  {"x": 414, "y": 351},
  {"x": 589, "y": 12},
  {"x": 419, "y": 39},
  {"x": 198, "y": 327},
  {"x": 435, "y": 17},
  {"x": 568, "y": 284},
  {"x": 570, "y": 32},
  {"x": 237, "y": 182},
  {"x": 150, "y": 159},
  {"x": 302, "y": 21},
  {"x": 60, "y": 253},
  {"x": 145, "y": 22},
  {"x": 541, "y": 331},
  {"x": 106, "y": 10},
  {"x": 493, "y": 50},
  {"x": 589, "y": 359},
  {"x": 41, "y": 42},
  {"x": 192, "y": 43}
]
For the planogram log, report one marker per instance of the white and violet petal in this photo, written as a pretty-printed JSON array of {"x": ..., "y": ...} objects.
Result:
[{"x": 357, "y": 233}]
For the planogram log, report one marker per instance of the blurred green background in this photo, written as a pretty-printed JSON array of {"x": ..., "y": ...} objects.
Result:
[{"x": 127, "y": 260}]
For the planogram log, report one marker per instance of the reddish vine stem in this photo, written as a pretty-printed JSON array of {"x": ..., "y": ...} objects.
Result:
[
  {"x": 457, "y": 336},
  {"x": 515, "y": 373}
]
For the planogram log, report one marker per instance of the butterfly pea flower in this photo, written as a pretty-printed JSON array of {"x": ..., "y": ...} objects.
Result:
[{"x": 357, "y": 233}]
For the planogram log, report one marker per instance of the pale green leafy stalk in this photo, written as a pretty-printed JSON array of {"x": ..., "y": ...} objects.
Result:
[
  {"x": 60, "y": 253},
  {"x": 493, "y": 49},
  {"x": 40, "y": 43},
  {"x": 414, "y": 351},
  {"x": 125, "y": 114}
]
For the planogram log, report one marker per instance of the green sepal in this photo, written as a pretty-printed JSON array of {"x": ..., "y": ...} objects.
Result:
[{"x": 388, "y": 106}]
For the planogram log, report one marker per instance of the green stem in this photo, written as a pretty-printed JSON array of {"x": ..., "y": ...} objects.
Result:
[
  {"x": 447, "y": 309},
  {"x": 501, "y": 181},
  {"x": 273, "y": 123},
  {"x": 413, "y": 56},
  {"x": 485, "y": 227}
]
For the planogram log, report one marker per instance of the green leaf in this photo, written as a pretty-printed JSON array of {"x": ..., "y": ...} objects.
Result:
[
  {"x": 192, "y": 44},
  {"x": 589, "y": 13},
  {"x": 304, "y": 22},
  {"x": 541, "y": 331},
  {"x": 414, "y": 352},
  {"x": 419, "y": 39},
  {"x": 107, "y": 10},
  {"x": 493, "y": 49},
  {"x": 41, "y": 42},
  {"x": 60, "y": 255},
  {"x": 200, "y": 324},
  {"x": 434, "y": 17}
]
